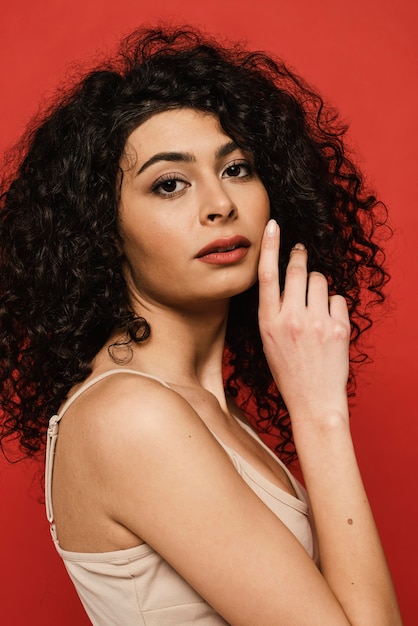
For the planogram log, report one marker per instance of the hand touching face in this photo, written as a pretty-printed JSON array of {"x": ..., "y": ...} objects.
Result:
[{"x": 305, "y": 334}]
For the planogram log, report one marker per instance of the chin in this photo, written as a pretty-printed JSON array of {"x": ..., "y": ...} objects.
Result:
[{"x": 238, "y": 288}]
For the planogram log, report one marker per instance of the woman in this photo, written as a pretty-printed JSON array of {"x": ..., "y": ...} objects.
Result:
[{"x": 145, "y": 303}]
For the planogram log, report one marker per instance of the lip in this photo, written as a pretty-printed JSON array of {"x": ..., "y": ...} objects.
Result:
[{"x": 224, "y": 246}]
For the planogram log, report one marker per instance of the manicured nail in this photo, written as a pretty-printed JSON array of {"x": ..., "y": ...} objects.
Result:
[
  {"x": 299, "y": 246},
  {"x": 272, "y": 227}
]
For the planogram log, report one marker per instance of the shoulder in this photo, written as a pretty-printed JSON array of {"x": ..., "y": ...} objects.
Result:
[
  {"x": 133, "y": 399},
  {"x": 126, "y": 414}
]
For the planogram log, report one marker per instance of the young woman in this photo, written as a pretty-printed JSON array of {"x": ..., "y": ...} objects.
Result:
[{"x": 146, "y": 310}]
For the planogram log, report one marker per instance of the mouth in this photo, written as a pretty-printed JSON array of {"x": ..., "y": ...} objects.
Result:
[{"x": 221, "y": 246}]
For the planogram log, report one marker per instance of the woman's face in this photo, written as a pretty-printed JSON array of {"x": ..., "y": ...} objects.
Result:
[{"x": 192, "y": 211}]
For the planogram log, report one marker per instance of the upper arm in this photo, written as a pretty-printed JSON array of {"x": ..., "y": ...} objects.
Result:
[{"x": 169, "y": 481}]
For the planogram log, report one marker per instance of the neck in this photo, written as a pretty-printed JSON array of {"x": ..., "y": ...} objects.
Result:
[{"x": 184, "y": 348}]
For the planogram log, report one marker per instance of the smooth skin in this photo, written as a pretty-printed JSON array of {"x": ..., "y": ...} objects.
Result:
[{"x": 137, "y": 462}]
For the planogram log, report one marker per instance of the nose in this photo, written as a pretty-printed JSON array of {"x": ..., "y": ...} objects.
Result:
[{"x": 216, "y": 204}]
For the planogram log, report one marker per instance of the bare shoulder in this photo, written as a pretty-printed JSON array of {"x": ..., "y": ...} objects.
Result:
[{"x": 129, "y": 405}]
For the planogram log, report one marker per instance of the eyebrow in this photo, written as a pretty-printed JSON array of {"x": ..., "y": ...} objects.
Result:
[{"x": 186, "y": 157}]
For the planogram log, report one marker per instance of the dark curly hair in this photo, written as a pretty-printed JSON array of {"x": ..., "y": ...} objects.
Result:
[{"x": 62, "y": 287}]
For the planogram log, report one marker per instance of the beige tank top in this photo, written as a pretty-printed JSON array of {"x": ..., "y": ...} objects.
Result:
[{"x": 136, "y": 586}]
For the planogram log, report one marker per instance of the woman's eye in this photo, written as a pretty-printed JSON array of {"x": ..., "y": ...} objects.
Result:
[
  {"x": 169, "y": 186},
  {"x": 238, "y": 170}
]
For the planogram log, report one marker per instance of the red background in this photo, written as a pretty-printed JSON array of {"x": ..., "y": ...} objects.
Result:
[{"x": 362, "y": 56}]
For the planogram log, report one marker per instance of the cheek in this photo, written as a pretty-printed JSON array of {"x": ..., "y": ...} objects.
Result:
[
  {"x": 140, "y": 233},
  {"x": 264, "y": 205},
  {"x": 152, "y": 246}
]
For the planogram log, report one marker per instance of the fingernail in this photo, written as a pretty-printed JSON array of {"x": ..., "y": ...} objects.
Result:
[
  {"x": 299, "y": 246},
  {"x": 272, "y": 227}
]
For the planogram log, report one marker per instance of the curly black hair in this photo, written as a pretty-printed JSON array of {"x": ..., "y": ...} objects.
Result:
[{"x": 62, "y": 287}]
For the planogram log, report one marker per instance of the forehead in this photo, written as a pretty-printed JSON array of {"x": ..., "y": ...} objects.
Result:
[{"x": 179, "y": 129}]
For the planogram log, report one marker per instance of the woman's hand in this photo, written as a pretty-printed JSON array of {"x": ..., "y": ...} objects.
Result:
[{"x": 305, "y": 334}]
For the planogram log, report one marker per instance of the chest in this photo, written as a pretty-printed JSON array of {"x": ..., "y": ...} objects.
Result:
[{"x": 233, "y": 431}]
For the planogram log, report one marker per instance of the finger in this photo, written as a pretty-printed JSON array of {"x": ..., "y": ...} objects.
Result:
[
  {"x": 268, "y": 271},
  {"x": 338, "y": 309},
  {"x": 317, "y": 297},
  {"x": 295, "y": 286}
]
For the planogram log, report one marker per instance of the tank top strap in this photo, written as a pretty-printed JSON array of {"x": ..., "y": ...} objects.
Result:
[
  {"x": 97, "y": 379},
  {"x": 52, "y": 432}
]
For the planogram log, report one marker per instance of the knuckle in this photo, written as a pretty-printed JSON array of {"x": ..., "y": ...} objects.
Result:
[
  {"x": 318, "y": 327},
  {"x": 295, "y": 327},
  {"x": 266, "y": 276},
  {"x": 269, "y": 243},
  {"x": 341, "y": 331},
  {"x": 295, "y": 269}
]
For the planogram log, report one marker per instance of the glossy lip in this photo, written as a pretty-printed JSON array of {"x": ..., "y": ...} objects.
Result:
[{"x": 224, "y": 246}]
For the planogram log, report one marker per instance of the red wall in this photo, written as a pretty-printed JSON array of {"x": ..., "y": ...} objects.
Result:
[{"x": 362, "y": 55}]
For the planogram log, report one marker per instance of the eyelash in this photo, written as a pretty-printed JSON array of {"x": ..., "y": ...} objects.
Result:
[
  {"x": 241, "y": 163},
  {"x": 166, "y": 178},
  {"x": 156, "y": 187}
]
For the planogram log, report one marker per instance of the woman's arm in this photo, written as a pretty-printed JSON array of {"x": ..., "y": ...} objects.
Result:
[{"x": 306, "y": 339}]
